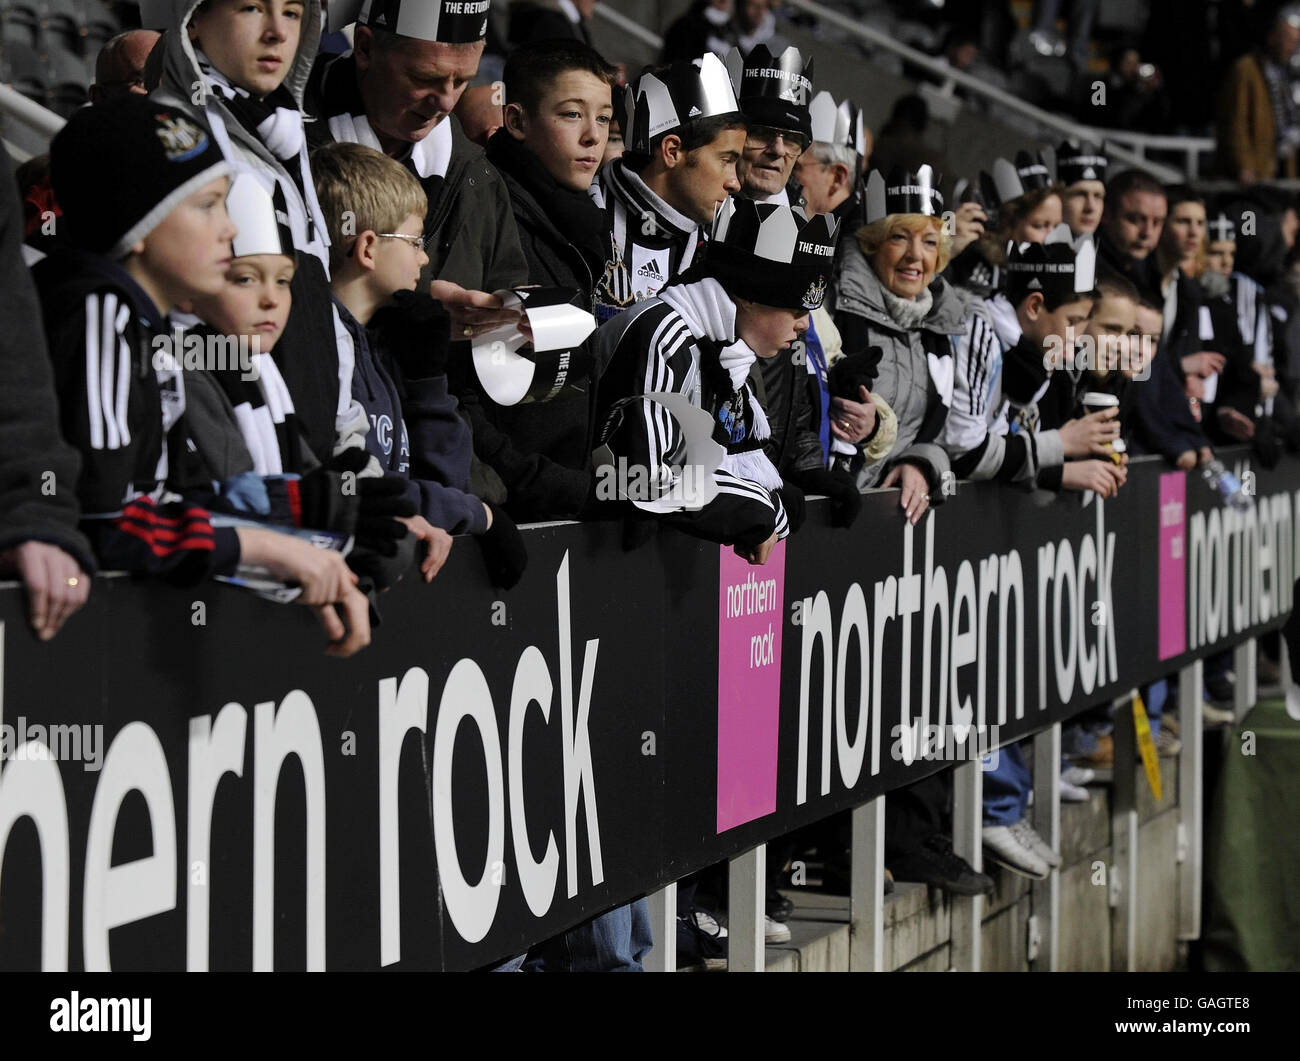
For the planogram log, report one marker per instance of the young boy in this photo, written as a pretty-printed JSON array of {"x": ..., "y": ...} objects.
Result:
[
  {"x": 138, "y": 248},
  {"x": 1000, "y": 428},
  {"x": 374, "y": 208},
  {"x": 767, "y": 267}
]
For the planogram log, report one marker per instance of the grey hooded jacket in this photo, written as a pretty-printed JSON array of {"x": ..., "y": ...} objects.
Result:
[
  {"x": 916, "y": 370},
  {"x": 313, "y": 355}
]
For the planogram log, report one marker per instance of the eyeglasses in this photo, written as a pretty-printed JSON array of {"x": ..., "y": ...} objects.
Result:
[
  {"x": 764, "y": 135},
  {"x": 418, "y": 242}
]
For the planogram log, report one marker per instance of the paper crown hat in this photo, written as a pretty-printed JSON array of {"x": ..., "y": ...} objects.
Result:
[
  {"x": 1011, "y": 180},
  {"x": 902, "y": 192},
  {"x": 447, "y": 21},
  {"x": 773, "y": 90},
  {"x": 260, "y": 217},
  {"x": 772, "y": 254},
  {"x": 1061, "y": 269},
  {"x": 837, "y": 124},
  {"x": 1080, "y": 161},
  {"x": 665, "y": 99},
  {"x": 1221, "y": 229}
]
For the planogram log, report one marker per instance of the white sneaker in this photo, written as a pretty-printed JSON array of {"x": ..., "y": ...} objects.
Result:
[
  {"x": 1078, "y": 775},
  {"x": 1028, "y": 836},
  {"x": 708, "y": 924},
  {"x": 1004, "y": 847},
  {"x": 1073, "y": 793},
  {"x": 774, "y": 931},
  {"x": 1215, "y": 716}
]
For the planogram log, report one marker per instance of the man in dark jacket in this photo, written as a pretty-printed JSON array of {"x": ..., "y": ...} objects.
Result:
[
  {"x": 39, "y": 538},
  {"x": 366, "y": 96},
  {"x": 558, "y": 110}
]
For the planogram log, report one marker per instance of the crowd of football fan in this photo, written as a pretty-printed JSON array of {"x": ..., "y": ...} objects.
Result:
[{"x": 293, "y": 288}]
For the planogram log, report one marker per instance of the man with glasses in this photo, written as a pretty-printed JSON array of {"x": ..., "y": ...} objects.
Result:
[{"x": 774, "y": 93}]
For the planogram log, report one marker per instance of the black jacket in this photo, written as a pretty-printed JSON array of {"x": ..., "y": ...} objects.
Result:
[
  {"x": 542, "y": 451},
  {"x": 38, "y": 470},
  {"x": 790, "y": 395},
  {"x": 127, "y": 419},
  {"x": 474, "y": 240}
]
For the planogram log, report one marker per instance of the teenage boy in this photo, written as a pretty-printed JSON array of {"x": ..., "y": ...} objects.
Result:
[
  {"x": 241, "y": 68},
  {"x": 766, "y": 268},
  {"x": 997, "y": 429},
  {"x": 400, "y": 373},
  {"x": 685, "y": 136},
  {"x": 140, "y": 247},
  {"x": 1081, "y": 168},
  {"x": 557, "y": 118}
]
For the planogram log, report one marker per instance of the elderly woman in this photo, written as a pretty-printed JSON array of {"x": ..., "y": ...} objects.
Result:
[{"x": 889, "y": 303}]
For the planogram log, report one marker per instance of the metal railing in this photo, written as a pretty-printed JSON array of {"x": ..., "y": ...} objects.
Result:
[
  {"x": 953, "y": 78},
  {"x": 631, "y": 27}
]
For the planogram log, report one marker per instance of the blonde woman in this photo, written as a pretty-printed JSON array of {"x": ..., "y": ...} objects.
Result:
[{"x": 889, "y": 299}]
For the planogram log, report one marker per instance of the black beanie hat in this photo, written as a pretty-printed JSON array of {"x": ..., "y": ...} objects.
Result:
[{"x": 119, "y": 168}]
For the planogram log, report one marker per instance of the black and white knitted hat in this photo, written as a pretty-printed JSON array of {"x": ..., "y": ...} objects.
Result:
[
  {"x": 446, "y": 21},
  {"x": 903, "y": 192},
  {"x": 773, "y": 90},
  {"x": 666, "y": 99},
  {"x": 1080, "y": 161},
  {"x": 1061, "y": 269},
  {"x": 119, "y": 168},
  {"x": 772, "y": 254}
]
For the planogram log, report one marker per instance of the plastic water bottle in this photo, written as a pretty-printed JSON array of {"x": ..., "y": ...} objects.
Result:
[{"x": 1226, "y": 485}]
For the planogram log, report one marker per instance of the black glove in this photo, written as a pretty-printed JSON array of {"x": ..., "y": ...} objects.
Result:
[
  {"x": 504, "y": 551},
  {"x": 323, "y": 503},
  {"x": 846, "y": 501},
  {"x": 383, "y": 501},
  {"x": 418, "y": 331},
  {"x": 795, "y": 510},
  {"x": 855, "y": 370}
]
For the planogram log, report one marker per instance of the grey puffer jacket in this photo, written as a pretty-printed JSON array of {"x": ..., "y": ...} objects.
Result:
[{"x": 916, "y": 369}]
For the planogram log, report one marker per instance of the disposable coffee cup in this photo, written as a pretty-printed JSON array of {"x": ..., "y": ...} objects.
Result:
[{"x": 1094, "y": 402}]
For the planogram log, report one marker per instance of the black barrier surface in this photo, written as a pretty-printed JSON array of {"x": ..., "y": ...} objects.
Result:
[{"x": 497, "y": 767}]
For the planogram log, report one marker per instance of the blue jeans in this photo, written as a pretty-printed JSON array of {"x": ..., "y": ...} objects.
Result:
[
  {"x": 1006, "y": 788},
  {"x": 1155, "y": 696},
  {"x": 614, "y": 942}
]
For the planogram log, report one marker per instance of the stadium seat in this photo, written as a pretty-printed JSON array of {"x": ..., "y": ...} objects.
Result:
[
  {"x": 22, "y": 68},
  {"x": 98, "y": 26},
  {"x": 20, "y": 22},
  {"x": 67, "y": 82},
  {"x": 62, "y": 24}
]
